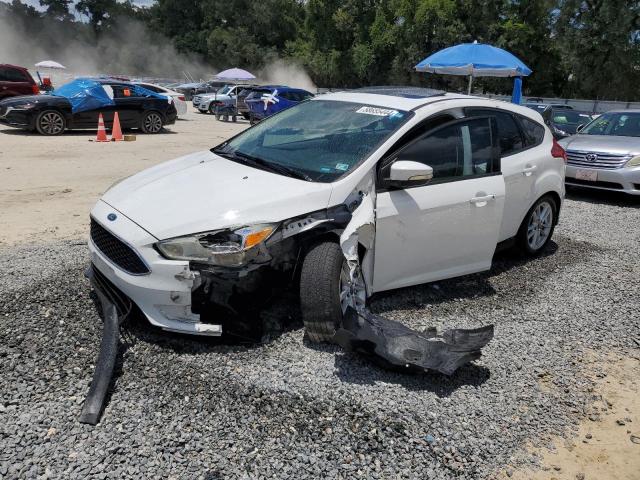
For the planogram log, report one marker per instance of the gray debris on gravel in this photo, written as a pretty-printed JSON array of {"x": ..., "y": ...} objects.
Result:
[{"x": 190, "y": 408}]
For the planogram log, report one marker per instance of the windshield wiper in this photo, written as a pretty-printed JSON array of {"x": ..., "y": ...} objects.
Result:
[{"x": 263, "y": 164}]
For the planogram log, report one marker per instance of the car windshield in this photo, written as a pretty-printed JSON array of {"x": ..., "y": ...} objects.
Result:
[
  {"x": 619, "y": 124},
  {"x": 319, "y": 140},
  {"x": 570, "y": 117}
]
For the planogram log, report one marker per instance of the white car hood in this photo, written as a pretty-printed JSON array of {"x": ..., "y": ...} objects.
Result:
[{"x": 203, "y": 191}]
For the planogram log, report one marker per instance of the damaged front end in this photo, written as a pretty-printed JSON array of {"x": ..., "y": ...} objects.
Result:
[{"x": 232, "y": 275}]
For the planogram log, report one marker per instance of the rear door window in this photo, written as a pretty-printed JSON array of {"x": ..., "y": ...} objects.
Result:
[{"x": 510, "y": 137}]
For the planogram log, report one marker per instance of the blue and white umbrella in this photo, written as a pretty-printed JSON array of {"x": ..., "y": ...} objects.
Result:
[
  {"x": 475, "y": 60},
  {"x": 235, "y": 74}
]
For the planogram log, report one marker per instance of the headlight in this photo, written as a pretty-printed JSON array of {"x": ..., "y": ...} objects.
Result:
[
  {"x": 634, "y": 162},
  {"x": 25, "y": 106},
  {"x": 226, "y": 247}
]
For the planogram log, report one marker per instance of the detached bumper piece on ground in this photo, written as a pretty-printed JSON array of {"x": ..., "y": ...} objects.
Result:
[
  {"x": 394, "y": 346},
  {"x": 116, "y": 309}
]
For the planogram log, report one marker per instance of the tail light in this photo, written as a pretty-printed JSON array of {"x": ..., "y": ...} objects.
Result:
[
  {"x": 181, "y": 97},
  {"x": 35, "y": 89},
  {"x": 558, "y": 152}
]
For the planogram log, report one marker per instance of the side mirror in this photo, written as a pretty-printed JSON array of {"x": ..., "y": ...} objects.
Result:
[
  {"x": 580, "y": 127},
  {"x": 407, "y": 173}
]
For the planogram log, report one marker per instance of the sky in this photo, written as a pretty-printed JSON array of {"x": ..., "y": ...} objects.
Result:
[{"x": 36, "y": 3}]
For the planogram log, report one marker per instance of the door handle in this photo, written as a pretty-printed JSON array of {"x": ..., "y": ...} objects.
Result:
[
  {"x": 528, "y": 170},
  {"x": 484, "y": 199}
]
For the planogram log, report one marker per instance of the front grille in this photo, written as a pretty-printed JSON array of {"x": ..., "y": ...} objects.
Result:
[
  {"x": 606, "y": 161},
  {"x": 599, "y": 183},
  {"x": 116, "y": 250}
]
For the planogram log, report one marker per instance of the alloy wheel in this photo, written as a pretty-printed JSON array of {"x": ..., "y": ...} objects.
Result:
[
  {"x": 51, "y": 123},
  {"x": 353, "y": 291},
  {"x": 153, "y": 123},
  {"x": 539, "y": 226}
]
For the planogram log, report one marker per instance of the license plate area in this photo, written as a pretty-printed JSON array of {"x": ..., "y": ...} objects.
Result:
[{"x": 588, "y": 175}]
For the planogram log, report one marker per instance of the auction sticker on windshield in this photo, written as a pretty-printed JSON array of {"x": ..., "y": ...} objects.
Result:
[{"x": 380, "y": 112}]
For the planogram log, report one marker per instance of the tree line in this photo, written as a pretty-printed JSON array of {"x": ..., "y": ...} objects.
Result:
[{"x": 576, "y": 48}]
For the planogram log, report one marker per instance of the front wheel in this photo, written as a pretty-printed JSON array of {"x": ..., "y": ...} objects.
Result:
[
  {"x": 50, "y": 122},
  {"x": 538, "y": 225},
  {"x": 327, "y": 290},
  {"x": 151, "y": 123}
]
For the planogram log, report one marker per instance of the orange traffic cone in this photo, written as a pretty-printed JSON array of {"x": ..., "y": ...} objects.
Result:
[
  {"x": 102, "y": 133},
  {"x": 116, "y": 131}
]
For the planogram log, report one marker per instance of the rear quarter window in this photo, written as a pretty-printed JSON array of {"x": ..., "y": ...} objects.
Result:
[{"x": 533, "y": 131}]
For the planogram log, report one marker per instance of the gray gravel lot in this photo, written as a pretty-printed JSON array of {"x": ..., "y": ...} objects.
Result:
[{"x": 187, "y": 408}]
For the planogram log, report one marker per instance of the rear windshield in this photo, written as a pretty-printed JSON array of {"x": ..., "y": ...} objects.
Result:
[{"x": 570, "y": 117}]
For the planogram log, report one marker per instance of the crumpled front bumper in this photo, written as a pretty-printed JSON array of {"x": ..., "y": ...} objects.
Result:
[{"x": 164, "y": 294}]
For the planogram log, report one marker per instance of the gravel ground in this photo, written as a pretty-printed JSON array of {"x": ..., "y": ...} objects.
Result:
[{"x": 188, "y": 408}]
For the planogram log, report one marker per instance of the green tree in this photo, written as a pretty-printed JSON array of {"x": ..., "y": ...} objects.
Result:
[{"x": 600, "y": 43}]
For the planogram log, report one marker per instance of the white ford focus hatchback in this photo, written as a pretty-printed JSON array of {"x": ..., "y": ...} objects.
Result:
[{"x": 343, "y": 196}]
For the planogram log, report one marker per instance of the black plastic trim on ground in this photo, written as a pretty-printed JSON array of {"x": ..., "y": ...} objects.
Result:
[{"x": 116, "y": 308}]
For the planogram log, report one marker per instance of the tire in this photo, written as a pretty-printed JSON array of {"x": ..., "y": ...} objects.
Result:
[
  {"x": 246, "y": 116},
  {"x": 152, "y": 123},
  {"x": 528, "y": 239},
  {"x": 50, "y": 123},
  {"x": 320, "y": 291},
  {"x": 212, "y": 109}
]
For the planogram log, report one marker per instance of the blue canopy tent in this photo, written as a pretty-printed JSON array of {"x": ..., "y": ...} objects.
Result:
[{"x": 477, "y": 60}]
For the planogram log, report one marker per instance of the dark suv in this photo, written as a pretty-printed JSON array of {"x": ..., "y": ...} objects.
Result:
[{"x": 16, "y": 81}]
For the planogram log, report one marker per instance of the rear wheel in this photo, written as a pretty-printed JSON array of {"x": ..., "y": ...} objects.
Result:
[
  {"x": 326, "y": 291},
  {"x": 538, "y": 226},
  {"x": 50, "y": 122},
  {"x": 151, "y": 123}
]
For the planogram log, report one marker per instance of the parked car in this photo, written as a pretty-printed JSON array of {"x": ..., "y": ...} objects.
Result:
[
  {"x": 543, "y": 107},
  {"x": 211, "y": 86},
  {"x": 77, "y": 105},
  {"x": 225, "y": 97},
  {"x": 16, "y": 81},
  {"x": 413, "y": 185},
  {"x": 243, "y": 108},
  {"x": 178, "y": 98},
  {"x": 267, "y": 100},
  {"x": 605, "y": 154},
  {"x": 564, "y": 122}
]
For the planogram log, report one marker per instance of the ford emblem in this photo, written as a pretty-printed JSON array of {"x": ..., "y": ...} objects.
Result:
[{"x": 111, "y": 217}]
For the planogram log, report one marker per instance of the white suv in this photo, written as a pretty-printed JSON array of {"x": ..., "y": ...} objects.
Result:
[{"x": 345, "y": 195}]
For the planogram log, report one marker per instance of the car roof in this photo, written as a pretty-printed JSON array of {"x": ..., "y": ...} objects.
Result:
[
  {"x": 18, "y": 67},
  {"x": 411, "y": 100},
  {"x": 627, "y": 110},
  {"x": 403, "y": 98}
]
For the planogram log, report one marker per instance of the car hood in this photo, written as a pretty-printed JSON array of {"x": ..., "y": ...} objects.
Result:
[
  {"x": 22, "y": 99},
  {"x": 602, "y": 143},
  {"x": 204, "y": 191}
]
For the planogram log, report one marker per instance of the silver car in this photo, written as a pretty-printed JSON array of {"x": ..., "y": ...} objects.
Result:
[{"x": 605, "y": 154}]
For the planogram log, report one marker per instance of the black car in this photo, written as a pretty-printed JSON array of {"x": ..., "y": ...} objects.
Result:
[
  {"x": 563, "y": 122},
  {"x": 543, "y": 107},
  {"x": 78, "y": 104}
]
